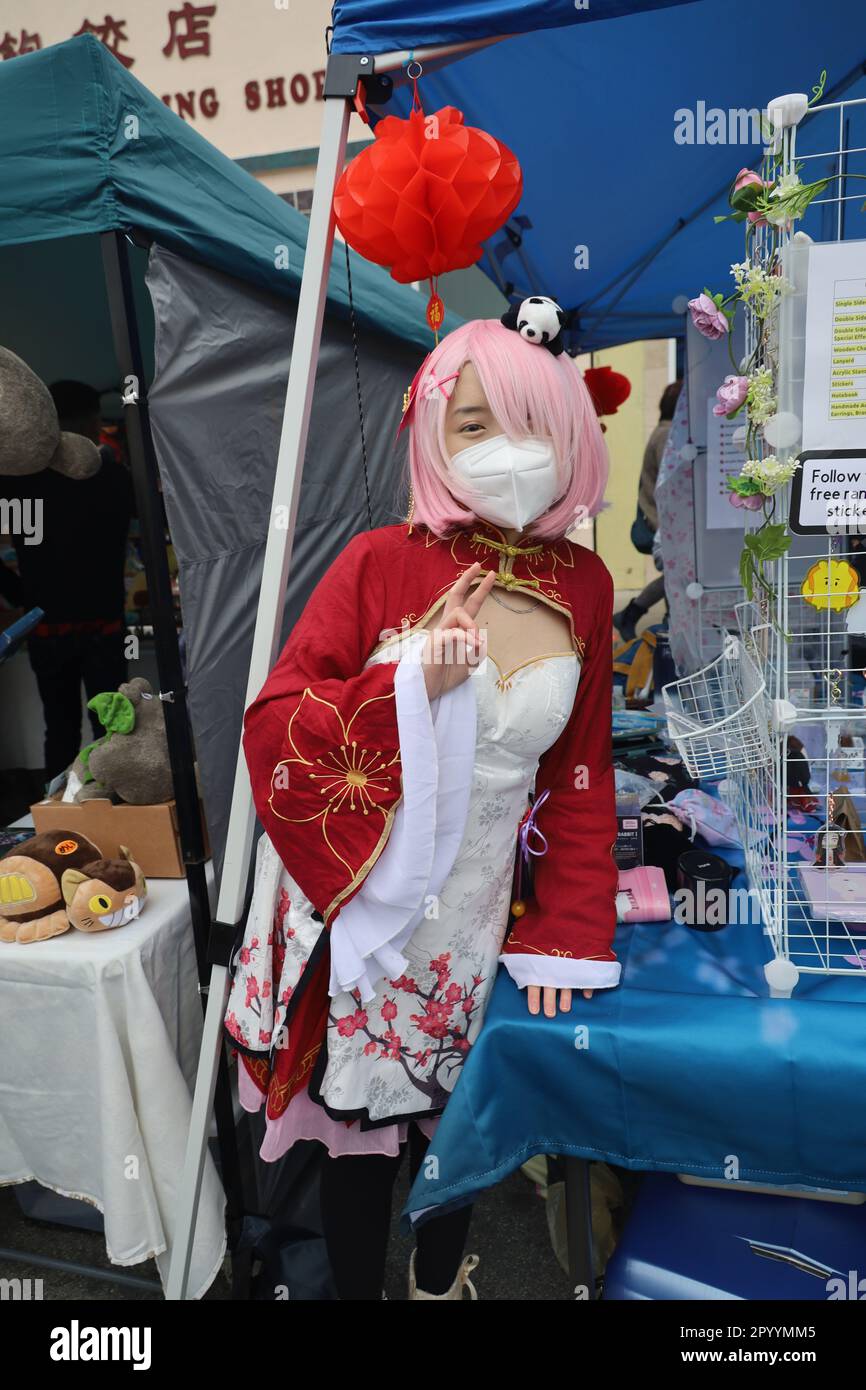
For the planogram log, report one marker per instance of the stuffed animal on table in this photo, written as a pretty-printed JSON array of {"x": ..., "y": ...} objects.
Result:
[
  {"x": 30, "y": 435},
  {"x": 130, "y": 762},
  {"x": 59, "y": 879},
  {"x": 105, "y": 893}
]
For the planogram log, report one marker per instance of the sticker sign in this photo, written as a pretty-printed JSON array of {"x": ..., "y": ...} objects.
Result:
[{"x": 828, "y": 494}]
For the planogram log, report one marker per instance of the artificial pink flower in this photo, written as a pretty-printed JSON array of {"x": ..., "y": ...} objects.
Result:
[
  {"x": 743, "y": 179},
  {"x": 370, "y": 1049},
  {"x": 346, "y": 1026},
  {"x": 389, "y": 1010},
  {"x": 707, "y": 318},
  {"x": 751, "y": 504},
  {"x": 731, "y": 394}
]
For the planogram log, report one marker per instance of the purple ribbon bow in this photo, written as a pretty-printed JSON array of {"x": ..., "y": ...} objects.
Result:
[{"x": 529, "y": 827}]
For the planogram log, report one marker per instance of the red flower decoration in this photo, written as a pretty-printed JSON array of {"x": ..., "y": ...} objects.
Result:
[{"x": 425, "y": 193}]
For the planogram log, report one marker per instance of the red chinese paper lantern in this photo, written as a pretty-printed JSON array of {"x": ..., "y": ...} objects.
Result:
[
  {"x": 607, "y": 388},
  {"x": 425, "y": 193}
]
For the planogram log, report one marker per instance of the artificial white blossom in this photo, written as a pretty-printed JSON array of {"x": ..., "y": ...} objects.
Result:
[
  {"x": 769, "y": 473},
  {"x": 760, "y": 397},
  {"x": 786, "y": 184},
  {"x": 758, "y": 288}
]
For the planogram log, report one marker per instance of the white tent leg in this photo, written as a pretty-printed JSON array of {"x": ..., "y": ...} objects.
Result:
[{"x": 278, "y": 555}]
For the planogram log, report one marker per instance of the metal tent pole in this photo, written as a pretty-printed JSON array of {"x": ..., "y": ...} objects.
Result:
[
  {"x": 172, "y": 693},
  {"x": 278, "y": 554}
]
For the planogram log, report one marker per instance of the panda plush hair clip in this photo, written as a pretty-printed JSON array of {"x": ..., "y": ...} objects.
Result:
[{"x": 540, "y": 321}]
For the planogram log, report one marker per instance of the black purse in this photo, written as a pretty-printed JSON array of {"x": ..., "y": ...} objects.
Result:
[{"x": 642, "y": 534}]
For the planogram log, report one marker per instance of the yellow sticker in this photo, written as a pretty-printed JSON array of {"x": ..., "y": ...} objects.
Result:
[{"x": 831, "y": 584}]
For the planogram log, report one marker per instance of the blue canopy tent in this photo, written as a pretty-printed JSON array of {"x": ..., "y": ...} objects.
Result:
[
  {"x": 603, "y": 171},
  {"x": 603, "y": 167}
]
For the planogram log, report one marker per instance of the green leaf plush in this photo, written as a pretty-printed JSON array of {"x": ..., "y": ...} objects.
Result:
[{"x": 115, "y": 712}]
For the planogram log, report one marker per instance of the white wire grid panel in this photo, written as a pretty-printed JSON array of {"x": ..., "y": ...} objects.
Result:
[
  {"x": 717, "y": 609},
  {"x": 719, "y": 718},
  {"x": 814, "y": 912},
  {"x": 805, "y": 851}
]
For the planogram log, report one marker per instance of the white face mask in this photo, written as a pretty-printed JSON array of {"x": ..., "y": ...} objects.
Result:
[{"x": 507, "y": 482}]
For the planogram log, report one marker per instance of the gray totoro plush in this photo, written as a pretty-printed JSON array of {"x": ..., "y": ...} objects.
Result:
[
  {"x": 132, "y": 767},
  {"x": 30, "y": 435}
]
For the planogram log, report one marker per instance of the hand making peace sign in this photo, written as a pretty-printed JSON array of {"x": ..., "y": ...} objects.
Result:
[{"x": 457, "y": 644}]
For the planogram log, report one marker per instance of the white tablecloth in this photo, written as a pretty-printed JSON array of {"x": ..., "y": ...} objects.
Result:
[{"x": 99, "y": 1041}]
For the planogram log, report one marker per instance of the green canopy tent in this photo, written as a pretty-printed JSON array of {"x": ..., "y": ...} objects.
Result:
[
  {"x": 86, "y": 148},
  {"x": 135, "y": 255},
  {"x": 94, "y": 162}
]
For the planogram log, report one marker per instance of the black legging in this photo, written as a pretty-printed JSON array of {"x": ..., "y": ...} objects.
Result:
[{"x": 356, "y": 1218}]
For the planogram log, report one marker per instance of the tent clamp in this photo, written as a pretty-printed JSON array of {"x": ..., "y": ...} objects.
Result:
[
  {"x": 346, "y": 71},
  {"x": 220, "y": 944}
]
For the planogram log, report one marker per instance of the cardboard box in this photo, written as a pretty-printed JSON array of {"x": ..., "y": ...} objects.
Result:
[{"x": 150, "y": 833}]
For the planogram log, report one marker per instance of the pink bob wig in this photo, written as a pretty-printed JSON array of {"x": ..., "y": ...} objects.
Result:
[{"x": 523, "y": 382}]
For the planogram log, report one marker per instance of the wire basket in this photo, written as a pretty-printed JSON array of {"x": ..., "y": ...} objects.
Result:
[{"x": 719, "y": 718}]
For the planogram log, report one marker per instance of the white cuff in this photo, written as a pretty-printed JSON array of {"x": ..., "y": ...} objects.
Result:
[
  {"x": 437, "y": 752},
  {"x": 561, "y": 972}
]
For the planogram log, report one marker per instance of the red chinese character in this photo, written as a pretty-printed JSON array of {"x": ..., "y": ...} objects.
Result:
[
  {"x": 195, "y": 40},
  {"x": 111, "y": 32},
  {"x": 28, "y": 43}
]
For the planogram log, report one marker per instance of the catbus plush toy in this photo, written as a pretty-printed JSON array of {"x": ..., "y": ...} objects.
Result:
[{"x": 59, "y": 880}]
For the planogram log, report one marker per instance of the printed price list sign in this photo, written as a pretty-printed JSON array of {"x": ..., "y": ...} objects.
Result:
[
  {"x": 848, "y": 360},
  {"x": 834, "y": 389}
]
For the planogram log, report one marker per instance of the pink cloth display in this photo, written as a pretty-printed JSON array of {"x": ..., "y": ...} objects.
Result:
[{"x": 304, "y": 1119}]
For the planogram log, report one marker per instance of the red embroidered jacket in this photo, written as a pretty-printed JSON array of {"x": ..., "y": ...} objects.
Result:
[{"x": 322, "y": 746}]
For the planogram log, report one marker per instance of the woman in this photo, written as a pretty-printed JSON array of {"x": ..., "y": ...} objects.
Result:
[{"x": 441, "y": 671}]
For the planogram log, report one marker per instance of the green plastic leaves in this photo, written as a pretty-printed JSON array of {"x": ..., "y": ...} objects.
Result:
[{"x": 759, "y": 548}]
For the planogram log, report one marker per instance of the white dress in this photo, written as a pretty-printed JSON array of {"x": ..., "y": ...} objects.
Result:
[{"x": 395, "y": 1054}]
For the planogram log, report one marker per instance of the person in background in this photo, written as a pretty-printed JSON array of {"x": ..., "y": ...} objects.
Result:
[
  {"x": 627, "y": 619},
  {"x": 76, "y": 576}
]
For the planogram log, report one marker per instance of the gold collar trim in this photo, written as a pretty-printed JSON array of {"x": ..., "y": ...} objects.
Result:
[{"x": 505, "y": 547}]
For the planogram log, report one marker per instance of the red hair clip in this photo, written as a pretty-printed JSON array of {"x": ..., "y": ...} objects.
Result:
[{"x": 430, "y": 385}]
